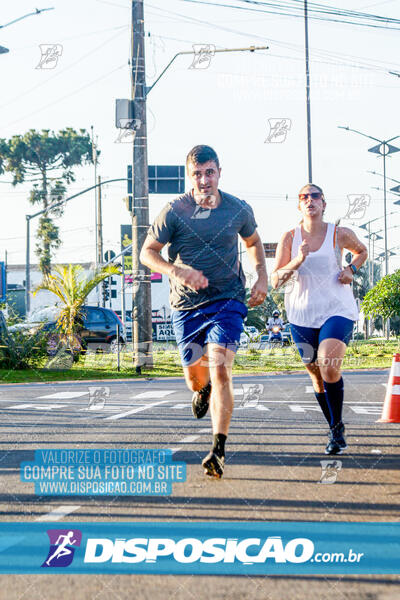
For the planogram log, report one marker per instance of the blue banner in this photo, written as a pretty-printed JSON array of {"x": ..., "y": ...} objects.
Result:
[
  {"x": 237, "y": 548},
  {"x": 103, "y": 472}
]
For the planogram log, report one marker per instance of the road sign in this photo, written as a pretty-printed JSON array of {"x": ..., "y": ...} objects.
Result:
[
  {"x": 164, "y": 331},
  {"x": 109, "y": 255},
  {"x": 3, "y": 291},
  {"x": 270, "y": 249},
  {"x": 163, "y": 179}
]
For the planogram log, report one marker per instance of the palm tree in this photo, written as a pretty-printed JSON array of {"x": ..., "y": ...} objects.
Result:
[{"x": 72, "y": 287}]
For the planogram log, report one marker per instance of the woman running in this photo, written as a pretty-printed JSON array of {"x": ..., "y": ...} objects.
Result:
[{"x": 319, "y": 301}]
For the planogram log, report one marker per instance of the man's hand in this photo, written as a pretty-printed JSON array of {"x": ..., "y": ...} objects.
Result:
[
  {"x": 345, "y": 276},
  {"x": 190, "y": 278},
  {"x": 258, "y": 292}
]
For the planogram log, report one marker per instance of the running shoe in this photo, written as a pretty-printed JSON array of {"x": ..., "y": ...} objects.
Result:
[
  {"x": 337, "y": 442},
  {"x": 201, "y": 401},
  {"x": 213, "y": 465}
]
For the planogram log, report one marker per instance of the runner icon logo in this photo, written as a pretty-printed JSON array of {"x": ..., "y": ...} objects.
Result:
[
  {"x": 278, "y": 130},
  {"x": 63, "y": 543},
  {"x": 251, "y": 395},
  {"x": 50, "y": 53},
  {"x": 97, "y": 397},
  {"x": 330, "y": 470}
]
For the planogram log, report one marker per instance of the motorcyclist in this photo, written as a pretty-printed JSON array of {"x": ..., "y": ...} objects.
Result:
[{"x": 274, "y": 322}]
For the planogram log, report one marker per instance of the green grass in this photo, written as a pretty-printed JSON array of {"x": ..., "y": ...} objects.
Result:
[{"x": 360, "y": 355}]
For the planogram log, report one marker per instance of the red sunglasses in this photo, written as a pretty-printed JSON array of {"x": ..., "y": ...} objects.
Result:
[{"x": 313, "y": 195}]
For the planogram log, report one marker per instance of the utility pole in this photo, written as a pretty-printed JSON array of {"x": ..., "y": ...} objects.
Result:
[
  {"x": 94, "y": 158},
  {"x": 308, "y": 93},
  {"x": 99, "y": 221},
  {"x": 141, "y": 298}
]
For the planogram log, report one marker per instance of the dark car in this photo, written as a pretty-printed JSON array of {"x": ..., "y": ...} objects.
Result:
[
  {"x": 3, "y": 335},
  {"x": 97, "y": 328}
]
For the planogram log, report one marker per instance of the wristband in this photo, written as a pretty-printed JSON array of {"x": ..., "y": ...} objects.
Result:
[{"x": 353, "y": 268}]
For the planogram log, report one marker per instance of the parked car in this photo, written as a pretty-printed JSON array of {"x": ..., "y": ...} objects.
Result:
[
  {"x": 98, "y": 329},
  {"x": 3, "y": 326},
  {"x": 3, "y": 335},
  {"x": 263, "y": 342},
  {"x": 286, "y": 335}
]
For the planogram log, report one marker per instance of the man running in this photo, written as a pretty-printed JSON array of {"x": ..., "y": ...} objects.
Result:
[{"x": 207, "y": 287}]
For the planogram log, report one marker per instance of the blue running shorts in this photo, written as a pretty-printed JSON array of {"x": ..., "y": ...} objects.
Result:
[
  {"x": 219, "y": 322},
  {"x": 307, "y": 339}
]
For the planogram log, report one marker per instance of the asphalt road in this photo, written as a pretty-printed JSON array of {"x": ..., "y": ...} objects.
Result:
[{"x": 273, "y": 468}]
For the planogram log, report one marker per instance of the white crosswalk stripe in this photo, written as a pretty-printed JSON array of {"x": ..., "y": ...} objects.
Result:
[
  {"x": 63, "y": 395},
  {"x": 154, "y": 394}
]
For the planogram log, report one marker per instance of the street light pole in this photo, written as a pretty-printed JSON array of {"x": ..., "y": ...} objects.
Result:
[
  {"x": 384, "y": 149},
  {"x": 40, "y": 212},
  {"x": 308, "y": 93}
]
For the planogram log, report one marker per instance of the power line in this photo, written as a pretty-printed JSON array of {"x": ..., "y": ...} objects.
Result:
[
  {"x": 316, "y": 12},
  {"x": 372, "y": 65}
]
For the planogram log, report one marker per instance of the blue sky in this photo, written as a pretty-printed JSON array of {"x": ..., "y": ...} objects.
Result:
[{"x": 227, "y": 105}]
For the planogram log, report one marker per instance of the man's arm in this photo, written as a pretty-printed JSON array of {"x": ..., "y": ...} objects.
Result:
[
  {"x": 150, "y": 256},
  {"x": 255, "y": 251}
]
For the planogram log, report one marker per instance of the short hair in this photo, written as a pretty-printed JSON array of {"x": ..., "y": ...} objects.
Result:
[{"x": 202, "y": 154}]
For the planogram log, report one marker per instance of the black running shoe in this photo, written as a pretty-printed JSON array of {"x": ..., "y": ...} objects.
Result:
[
  {"x": 337, "y": 442},
  {"x": 201, "y": 401},
  {"x": 214, "y": 465}
]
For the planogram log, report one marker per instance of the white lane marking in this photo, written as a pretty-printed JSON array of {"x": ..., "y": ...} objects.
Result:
[
  {"x": 302, "y": 408},
  {"x": 48, "y": 406},
  {"x": 154, "y": 394},
  {"x": 37, "y": 406},
  {"x": 188, "y": 439},
  {"x": 179, "y": 406},
  {"x": 261, "y": 407},
  {"x": 366, "y": 410},
  {"x": 19, "y": 406},
  {"x": 237, "y": 391},
  {"x": 58, "y": 513},
  {"x": 134, "y": 411},
  {"x": 309, "y": 389},
  {"x": 107, "y": 407},
  {"x": 63, "y": 395}
]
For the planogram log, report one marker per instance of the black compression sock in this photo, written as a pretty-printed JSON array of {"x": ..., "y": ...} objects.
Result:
[
  {"x": 335, "y": 393},
  {"x": 206, "y": 389},
  {"x": 219, "y": 444},
  {"x": 323, "y": 402}
]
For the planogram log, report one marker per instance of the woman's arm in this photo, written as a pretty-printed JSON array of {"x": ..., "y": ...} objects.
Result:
[
  {"x": 348, "y": 240},
  {"x": 284, "y": 266}
]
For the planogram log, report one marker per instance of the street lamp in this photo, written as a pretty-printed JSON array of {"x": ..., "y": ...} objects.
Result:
[
  {"x": 384, "y": 149},
  {"x": 28, "y": 235}
]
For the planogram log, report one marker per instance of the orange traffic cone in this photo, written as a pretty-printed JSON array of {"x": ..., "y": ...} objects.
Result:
[{"x": 391, "y": 406}]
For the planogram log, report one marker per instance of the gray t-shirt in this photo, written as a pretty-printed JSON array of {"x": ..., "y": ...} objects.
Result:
[{"x": 207, "y": 240}]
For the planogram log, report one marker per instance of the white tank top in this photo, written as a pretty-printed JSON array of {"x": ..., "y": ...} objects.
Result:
[{"x": 316, "y": 294}]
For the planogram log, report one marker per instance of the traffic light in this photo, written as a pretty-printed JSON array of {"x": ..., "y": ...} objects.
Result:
[
  {"x": 106, "y": 290},
  {"x": 128, "y": 202}
]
